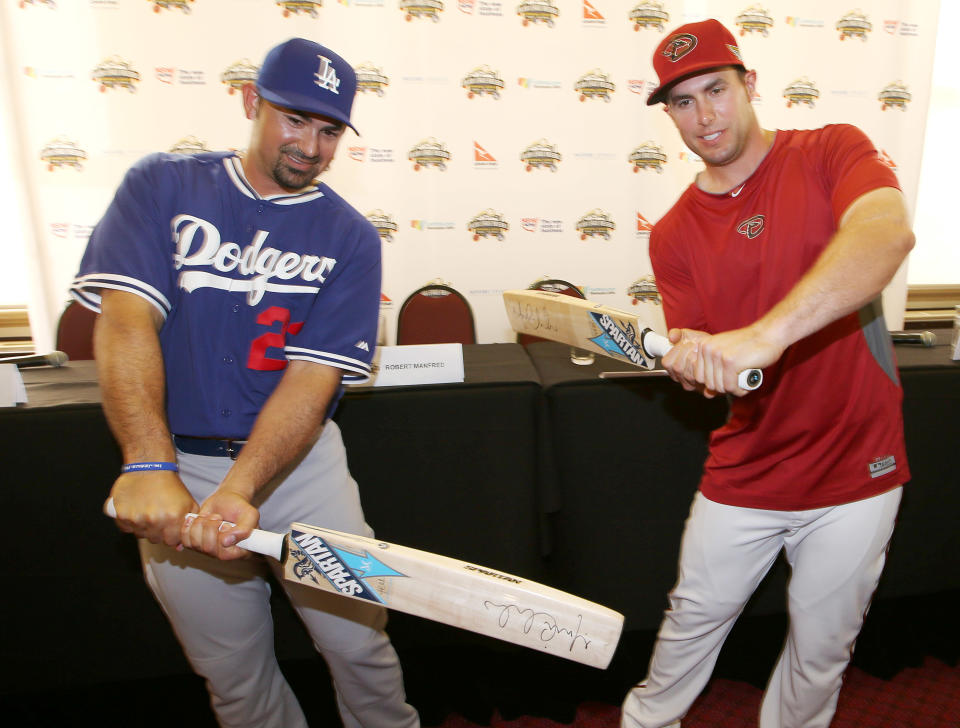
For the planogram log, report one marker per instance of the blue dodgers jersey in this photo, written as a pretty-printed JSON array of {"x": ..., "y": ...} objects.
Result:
[{"x": 245, "y": 283}]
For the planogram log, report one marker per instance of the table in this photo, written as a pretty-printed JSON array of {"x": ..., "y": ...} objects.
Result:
[{"x": 628, "y": 454}]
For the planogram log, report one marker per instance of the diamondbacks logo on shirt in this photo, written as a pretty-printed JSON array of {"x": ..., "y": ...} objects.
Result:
[
  {"x": 327, "y": 76},
  {"x": 751, "y": 227},
  {"x": 679, "y": 46}
]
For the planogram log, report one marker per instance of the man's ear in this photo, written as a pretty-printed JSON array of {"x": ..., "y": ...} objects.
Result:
[{"x": 251, "y": 101}]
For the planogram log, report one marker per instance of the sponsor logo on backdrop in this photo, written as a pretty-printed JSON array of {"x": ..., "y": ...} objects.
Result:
[
  {"x": 65, "y": 230},
  {"x": 48, "y": 73},
  {"x": 482, "y": 81},
  {"x": 895, "y": 95},
  {"x": 426, "y": 9},
  {"x": 488, "y": 224},
  {"x": 689, "y": 157},
  {"x": 62, "y": 152},
  {"x": 644, "y": 290},
  {"x": 114, "y": 72},
  {"x": 538, "y": 12},
  {"x": 374, "y": 155},
  {"x": 649, "y": 15},
  {"x": 363, "y": 3},
  {"x": 482, "y": 159},
  {"x": 796, "y": 22},
  {"x": 49, "y": 4},
  {"x": 371, "y": 79},
  {"x": 385, "y": 300},
  {"x": 801, "y": 92},
  {"x": 189, "y": 145},
  {"x": 648, "y": 155},
  {"x": 164, "y": 74},
  {"x": 525, "y": 82},
  {"x": 644, "y": 228},
  {"x": 595, "y": 224},
  {"x": 905, "y": 29},
  {"x": 541, "y": 224},
  {"x": 431, "y": 225},
  {"x": 754, "y": 19},
  {"x": 183, "y": 5},
  {"x": 238, "y": 74},
  {"x": 105, "y": 4},
  {"x": 298, "y": 7},
  {"x": 887, "y": 159},
  {"x": 592, "y": 16},
  {"x": 541, "y": 154},
  {"x": 639, "y": 86},
  {"x": 482, "y": 7},
  {"x": 595, "y": 84},
  {"x": 384, "y": 223},
  {"x": 429, "y": 153},
  {"x": 752, "y": 227},
  {"x": 854, "y": 25}
]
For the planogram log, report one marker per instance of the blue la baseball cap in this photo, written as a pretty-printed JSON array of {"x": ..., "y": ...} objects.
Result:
[{"x": 302, "y": 75}]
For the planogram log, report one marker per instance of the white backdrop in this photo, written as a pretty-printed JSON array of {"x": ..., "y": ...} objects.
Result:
[{"x": 96, "y": 84}]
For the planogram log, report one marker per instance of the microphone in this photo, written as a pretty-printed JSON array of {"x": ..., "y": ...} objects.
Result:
[
  {"x": 923, "y": 338},
  {"x": 53, "y": 359}
]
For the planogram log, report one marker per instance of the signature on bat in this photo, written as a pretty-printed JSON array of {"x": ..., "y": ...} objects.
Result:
[
  {"x": 542, "y": 623},
  {"x": 534, "y": 317}
]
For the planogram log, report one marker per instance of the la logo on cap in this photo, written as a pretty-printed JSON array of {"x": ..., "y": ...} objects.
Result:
[{"x": 327, "y": 76}]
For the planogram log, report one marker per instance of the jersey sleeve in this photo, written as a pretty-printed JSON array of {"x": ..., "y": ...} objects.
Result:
[
  {"x": 130, "y": 248},
  {"x": 681, "y": 304},
  {"x": 852, "y": 166},
  {"x": 341, "y": 327}
]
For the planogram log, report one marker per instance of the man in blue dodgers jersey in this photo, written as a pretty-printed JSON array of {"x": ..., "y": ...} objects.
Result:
[{"x": 235, "y": 293}]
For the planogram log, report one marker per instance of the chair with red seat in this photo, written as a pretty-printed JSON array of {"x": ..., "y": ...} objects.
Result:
[
  {"x": 435, "y": 314},
  {"x": 75, "y": 331}
]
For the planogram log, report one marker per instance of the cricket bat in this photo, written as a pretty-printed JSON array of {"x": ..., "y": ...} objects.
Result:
[
  {"x": 594, "y": 327},
  {"x": 442, "y": 589}
]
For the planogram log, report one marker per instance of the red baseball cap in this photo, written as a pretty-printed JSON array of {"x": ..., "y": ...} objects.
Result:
[{"x": 690, "y": 49}]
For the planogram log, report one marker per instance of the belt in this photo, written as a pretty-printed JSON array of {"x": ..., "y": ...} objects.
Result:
[{"x": 210, "y": 446}]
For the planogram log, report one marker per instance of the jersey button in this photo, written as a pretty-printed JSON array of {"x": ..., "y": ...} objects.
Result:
[
  {"x": 228, "y": 360},
  {"x": 226, "y": 412}
]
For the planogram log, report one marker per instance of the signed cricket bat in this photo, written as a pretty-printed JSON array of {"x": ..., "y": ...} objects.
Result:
[
  {"x": 594, "y": 327},
  {"x": 443, "y": 589}
]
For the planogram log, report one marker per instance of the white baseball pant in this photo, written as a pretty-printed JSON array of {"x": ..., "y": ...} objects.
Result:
[
  {"x": 220, "y": 611},
  {"x": 836, "y": 556}
]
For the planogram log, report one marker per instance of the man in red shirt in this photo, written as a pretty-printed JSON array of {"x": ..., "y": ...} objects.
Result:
[{"x": 775, "y": 258}]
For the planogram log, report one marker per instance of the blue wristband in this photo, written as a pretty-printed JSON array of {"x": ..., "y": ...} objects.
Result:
[{"x": 138, "y": 467}]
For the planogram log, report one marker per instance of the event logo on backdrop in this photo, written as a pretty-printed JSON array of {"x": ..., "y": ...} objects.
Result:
[
  {"x": 648, "y": 156},
  {"x": 62, "y": 152},
  {"x": 371, "y": 79},
  {"x": 49, "y": 4},
  {"x": 429, "y": 153},
  {"x": 541, "y": 154},
  {"x": 754, "y": 19},
  {"x": 536, "y": 13},
  {"x": 183, "y": 5},
  {"x": 801, "y": 92},
  {"x": 482, "y": 81},
  {"x": 427, "y": 9},
  {"x": 894, "y": 96},
  {"x": 384, "y": 223},
  {"x": 488, "y": 224},
  {"x": 854, "y": 25},
  {"x": 644, "y": 290},
  {"x": 649, "y": 15},
  {"x": 114, "y": 72},
  {"x": 595, "y": 84},
  {"x": 298, "y": 7},
  {"x": 239, "y": 73},
  {"x": 596, "y": 224}
]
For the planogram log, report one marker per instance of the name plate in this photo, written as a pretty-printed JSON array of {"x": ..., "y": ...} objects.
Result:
[
  {"x": 12, "y": 391},
  {"x": 419, "y": 364}
]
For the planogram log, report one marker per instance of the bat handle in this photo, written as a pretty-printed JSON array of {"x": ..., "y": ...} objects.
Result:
[
  {"x": 267, "y": 543},
  {"x": 656, "y": 346}
]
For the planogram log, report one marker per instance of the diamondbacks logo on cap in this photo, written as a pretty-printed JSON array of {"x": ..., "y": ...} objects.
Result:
[
  {"x": 327, "y": 76},
  {"x": 679, "y": 46}
]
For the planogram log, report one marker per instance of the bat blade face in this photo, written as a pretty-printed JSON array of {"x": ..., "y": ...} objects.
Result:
[
  {"x": 453, "y": 592},
  {"x": 578, "y": 322}
]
